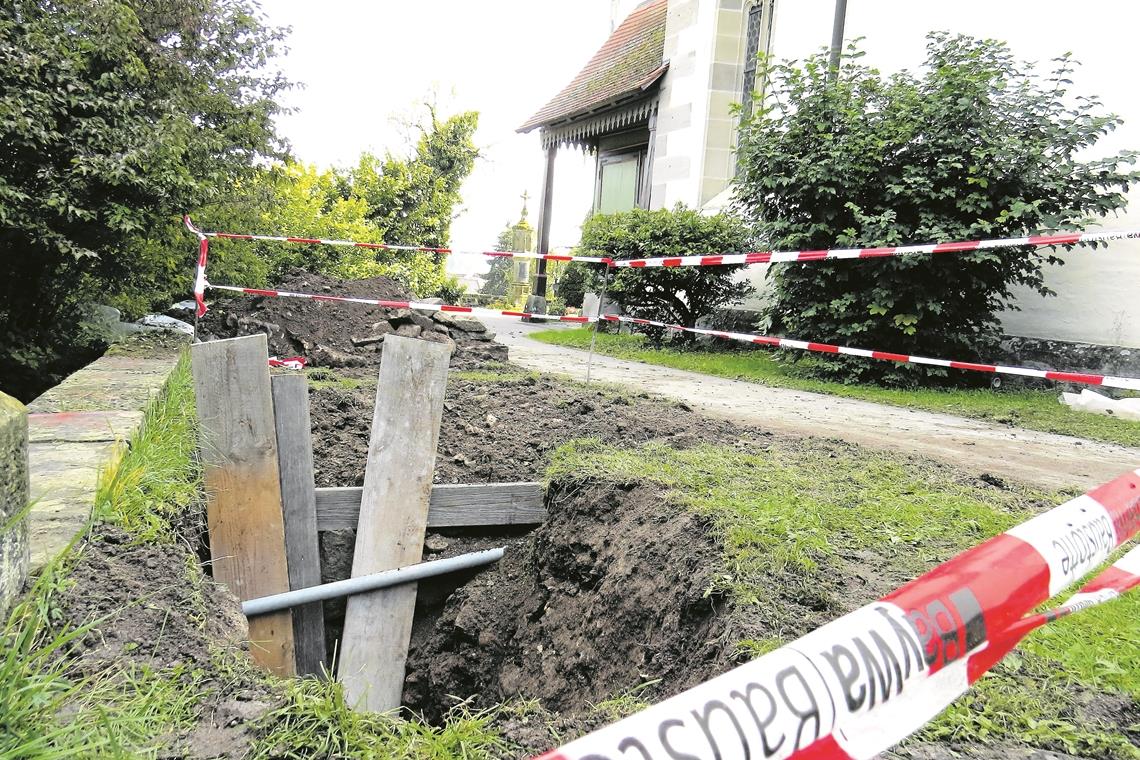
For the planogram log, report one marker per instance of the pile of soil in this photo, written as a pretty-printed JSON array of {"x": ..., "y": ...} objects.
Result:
[
  {"x": 501, "y": 431},
  {"x": 608, "y": 594},
  {"x": 148, "y": 610},
  {"x": 337, "y": 334}
]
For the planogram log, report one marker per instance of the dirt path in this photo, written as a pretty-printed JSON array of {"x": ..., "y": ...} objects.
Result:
[{"x": 1044, "y": 459}]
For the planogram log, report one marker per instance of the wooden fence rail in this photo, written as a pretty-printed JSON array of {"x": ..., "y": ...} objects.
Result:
[{"x": 452, "y": 506}]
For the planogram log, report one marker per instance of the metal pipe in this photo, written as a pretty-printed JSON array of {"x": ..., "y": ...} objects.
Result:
[
  {"x": 837, "y": 37},
  {"x": 408, "y": 574}
]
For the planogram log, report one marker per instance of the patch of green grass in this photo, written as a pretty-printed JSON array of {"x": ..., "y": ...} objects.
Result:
[
  {"x": 315, "y": 721},
  {"x": 158, "y": 481},
  {"x": 622, "y": 705},
  {"x": 510, "y": 375},
  {"x": 787, "y": 517},
  {"x": 321, "y": 377},
  {"x": 787, "y": 511},
  {"x": 1029, "y": 699},
  {"x": 1033, "y": 409}
]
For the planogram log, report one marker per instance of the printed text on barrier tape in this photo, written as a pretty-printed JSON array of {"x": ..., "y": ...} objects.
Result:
[
  {"x": 387, "y": 247},
  {"x": 1084, "y": 378},
  {"x": 860, "y": 684},
  {"x": 964, "y": 246}
]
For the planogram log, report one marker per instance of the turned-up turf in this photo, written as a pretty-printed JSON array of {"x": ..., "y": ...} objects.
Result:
[{"x": 810, "y": 530}]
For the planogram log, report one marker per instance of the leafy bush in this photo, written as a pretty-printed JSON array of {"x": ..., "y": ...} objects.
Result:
[
  {"x": 450, "y": 290},
  {"x": 571, "y": 286},
  {"x": 683, "y": 294},
  {"x": 977, "y": 145}
]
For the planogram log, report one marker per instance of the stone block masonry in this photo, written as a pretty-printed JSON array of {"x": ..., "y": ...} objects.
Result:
[
  {"x": 77, "y": 429},
  {"x": 13, "y": 499}
]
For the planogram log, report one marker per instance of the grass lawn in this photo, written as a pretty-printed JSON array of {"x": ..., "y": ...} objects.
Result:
[
  {"x": 797, "y": 521},
  {"x": 1034, "y": 409}
]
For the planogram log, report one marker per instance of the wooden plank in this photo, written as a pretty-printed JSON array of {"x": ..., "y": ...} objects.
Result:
[
  {"x": 298, "y": 501},
  {"x": 452, "y": 506},
  {"x": 238, "y": 447},
  {"x": 393, "y": 518}
]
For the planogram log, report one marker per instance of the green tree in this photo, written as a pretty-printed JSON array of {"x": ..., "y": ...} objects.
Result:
[
  {"x": 500, "y": 273},
  {"x": 682, "y": 294},
  {"x": 413, "y": 201},
  {"x": 975, "y": 145},
  {"x": 304, "y": 201},
  {"x": 115, "y": 116}
]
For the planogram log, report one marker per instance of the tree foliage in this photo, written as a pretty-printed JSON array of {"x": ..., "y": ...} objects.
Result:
[
  {"x": 572, "y": 284},
  {"x": 500, "y": 273},
  {"x": 114, "y": 116},
  {"x": 977, "y": 145},
  {"x": 680, "y": 295}
]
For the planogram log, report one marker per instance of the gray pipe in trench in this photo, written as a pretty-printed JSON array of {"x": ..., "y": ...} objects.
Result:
[{"x": 408, "y": 574}]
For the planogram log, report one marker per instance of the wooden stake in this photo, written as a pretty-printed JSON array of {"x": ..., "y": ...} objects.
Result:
[
  {"x": 393, "y": 518},
  {"x": 239, "y": 460},
  {"x": 298, "y": 499}
]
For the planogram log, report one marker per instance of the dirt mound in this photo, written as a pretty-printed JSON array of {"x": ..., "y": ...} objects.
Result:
[
  {"x": 503, "y": 430},
  {"x": 143, "y": 610},
  {"x": 337, "y": 334},
  {"x": 609, "y": 594},
  {"x": 148, "y": 611}
]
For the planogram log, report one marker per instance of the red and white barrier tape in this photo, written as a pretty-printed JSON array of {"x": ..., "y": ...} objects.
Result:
[
  {"x": 292, "y": 362},
  {"x": 1084, "y": 378},
  {"x": 419, "y": 305},
  {"x": 200, "y": 270},
  {"x": 387, "y": 247},
  {"x": 965, "y": 246},
  {"x": 860, "y": 684}
]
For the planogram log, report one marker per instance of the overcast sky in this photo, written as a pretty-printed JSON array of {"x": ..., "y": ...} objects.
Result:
[{"x": 363, "y": 63}]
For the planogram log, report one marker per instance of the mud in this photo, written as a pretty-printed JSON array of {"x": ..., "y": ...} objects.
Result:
[
  {"x": 336, "y": 334},
  {"x": 500, "y": 429},
  {"x": 148, "y": 608},
  {"x": 504, "y": 430},
  {"x": 609, "y": 592}
]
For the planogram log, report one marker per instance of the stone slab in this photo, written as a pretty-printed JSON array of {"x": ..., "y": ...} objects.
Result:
[
  {"x": 13, "y": 499},
  {"x": 79, "y": 427}
]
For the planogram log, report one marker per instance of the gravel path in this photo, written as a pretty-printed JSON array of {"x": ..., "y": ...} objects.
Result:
[{"x": 1043, "y": 459}]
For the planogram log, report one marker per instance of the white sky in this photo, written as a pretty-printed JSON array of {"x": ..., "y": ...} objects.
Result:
[{"x": 363, "y": 63}]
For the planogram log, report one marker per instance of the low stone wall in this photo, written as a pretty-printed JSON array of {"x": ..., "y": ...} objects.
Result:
[
  {"x": 1078, "y": 357},
  {"x": 78, "y": 429},
  {"x": 13, "y": 499}
]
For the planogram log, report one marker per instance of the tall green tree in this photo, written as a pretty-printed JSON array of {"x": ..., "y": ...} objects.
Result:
[
  {"x": 499, "y": 275},
  {"x": 975, "y": 145},
  {"x": 115, "y": 115},
  {"x": 401, "y": 199}
]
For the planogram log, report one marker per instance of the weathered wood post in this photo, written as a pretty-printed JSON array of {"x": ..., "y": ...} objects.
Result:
[
  {"x": 298, "y": 498},
  {"x": 14, "y": 555},
  {"x": 393, "y": 518},
  {"x": 238, "y": 445}
]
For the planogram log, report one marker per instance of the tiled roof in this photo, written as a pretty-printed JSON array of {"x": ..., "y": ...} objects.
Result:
[{"x": 628, "y": 63}]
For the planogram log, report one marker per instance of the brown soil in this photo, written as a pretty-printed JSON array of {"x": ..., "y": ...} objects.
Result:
[
  {"x": 335, "y": 334},
  {"x": 504, "y": 431},
  {"x": 148, "y": 608},
  {"x": 610, "y": 591},
  {"x": 500, "y": 430}
]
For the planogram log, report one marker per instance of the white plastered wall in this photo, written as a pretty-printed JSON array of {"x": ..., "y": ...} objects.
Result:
[{"x": 1099, "y": 291}]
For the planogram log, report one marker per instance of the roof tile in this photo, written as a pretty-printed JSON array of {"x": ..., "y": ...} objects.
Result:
[{"x": 629, "y": 61}]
